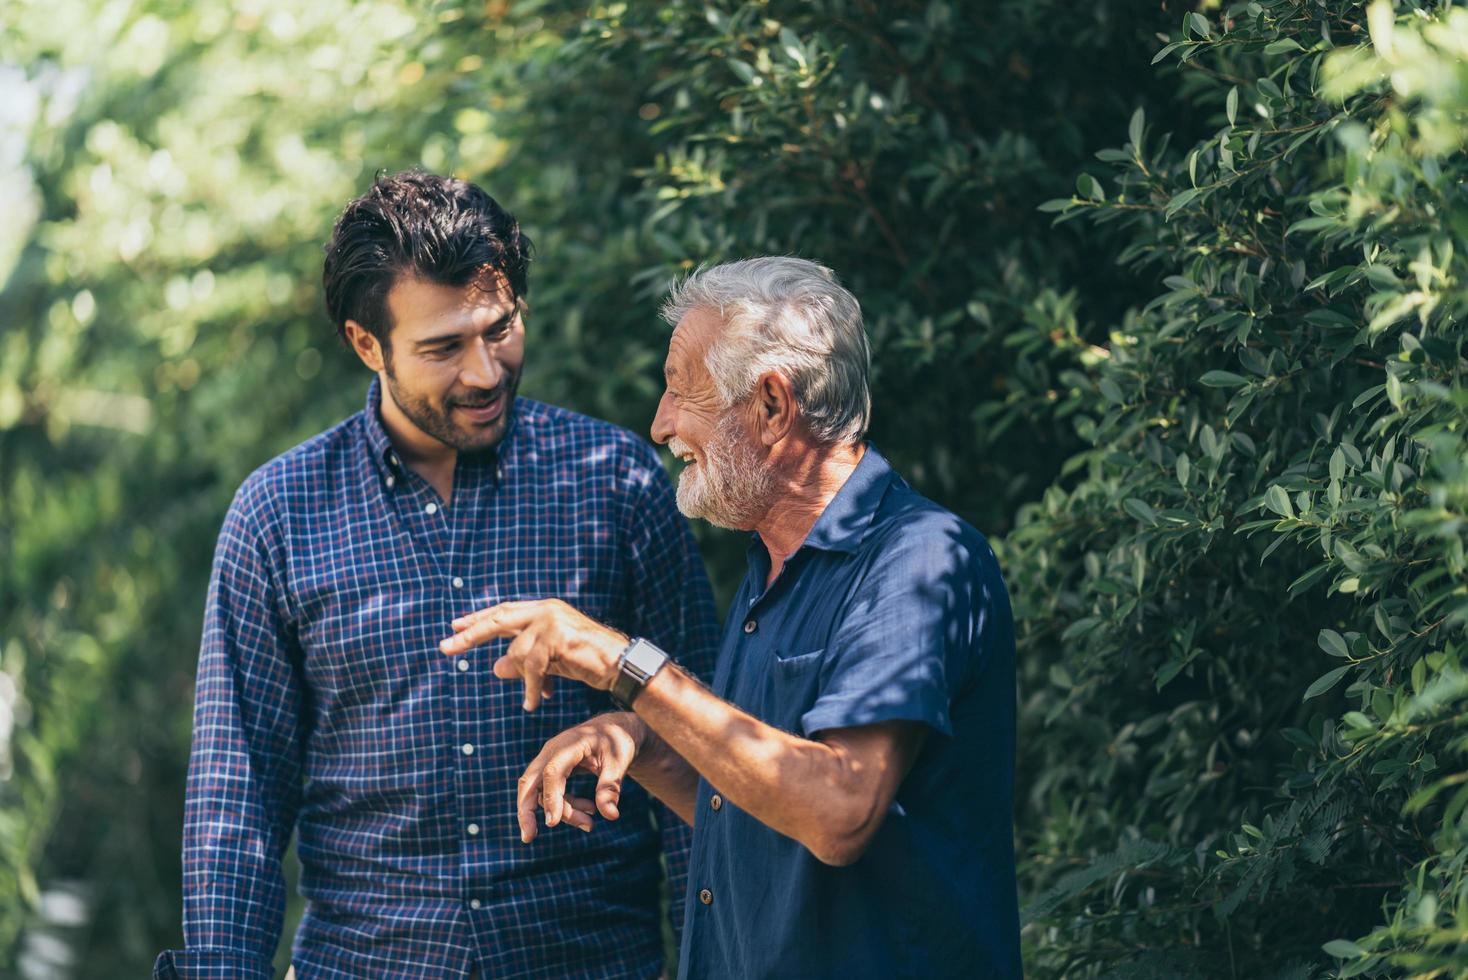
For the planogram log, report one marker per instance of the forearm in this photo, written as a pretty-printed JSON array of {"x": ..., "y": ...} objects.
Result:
[
  {"x": 663, "y": 772},
  {"x": 798, "y": 787}
]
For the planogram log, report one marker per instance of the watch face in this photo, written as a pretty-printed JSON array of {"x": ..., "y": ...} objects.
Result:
[{"x": 645, "y": 659}]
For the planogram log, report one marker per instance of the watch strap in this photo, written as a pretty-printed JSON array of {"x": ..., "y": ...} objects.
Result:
[{"x": 638, "y": 663}]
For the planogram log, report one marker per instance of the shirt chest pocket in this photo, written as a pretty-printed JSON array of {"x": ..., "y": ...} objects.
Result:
[{"x": 793, "y": 683}]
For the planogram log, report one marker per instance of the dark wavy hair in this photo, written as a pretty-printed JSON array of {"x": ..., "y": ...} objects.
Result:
[{"x": 440, "y": 229}]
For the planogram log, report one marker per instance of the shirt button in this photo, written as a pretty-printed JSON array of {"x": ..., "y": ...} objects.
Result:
[
  {"x": 458, "y": 582},
  {"x": 716, "y": 802},
  {"x": 468, "y": 749},
  {"x": 432, "y": 508},
  {"x": 473, "y": 829},
  {"x": 475, "y": 903},
  {"x": 391, "y": 480},
  {"x": 750, "y": 626},
  {"x": 463, "y": 665},
  {"x": 706, "y": 897}
]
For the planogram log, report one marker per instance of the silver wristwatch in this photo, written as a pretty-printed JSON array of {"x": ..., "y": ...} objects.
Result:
[{"x": 635, "y": 668}]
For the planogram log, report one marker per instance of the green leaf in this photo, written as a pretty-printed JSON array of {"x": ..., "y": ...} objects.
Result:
[
  {"x": 1167, "y": 49},
  {"x": 1313, "y": 224},
  {"x": 1282, "y": 45},
  {"x": 1141, "y": 510},
  {"x": 1337, "y": 464},
  {"x": 1325, "y": 682},
  {"x": 1343, "y": 948},
  {"x": 792, "y": 47},
  {"x": 1198, "y": 23},
  {"x": 1168, "y": 671},
  {"x": 1278, "y": 500},
  {"x": 1180, "y": 201},
  {"x": 1223, "y": 379},
  {"x": 1394, "y": 391},
  {"x": 1080, "y": 627},
  {"x": 745, "y": 71},
  {"x": 1350, "y": 556},
  {"x": 1136, "y": 126},
  {"x": 1333, "y": 643},
  {"x": 1231, "y": 105}
]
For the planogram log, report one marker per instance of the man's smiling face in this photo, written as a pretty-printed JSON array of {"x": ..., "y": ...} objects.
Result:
[
  {"x": 726, "y": 480},
  {"x": 454, "y": 358}
]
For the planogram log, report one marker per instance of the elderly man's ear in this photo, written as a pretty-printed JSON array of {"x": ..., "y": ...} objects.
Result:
[{"x": 774, "y": 400}]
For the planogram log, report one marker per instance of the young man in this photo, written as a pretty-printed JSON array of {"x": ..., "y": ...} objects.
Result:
[{"x": 321, "y": 703}]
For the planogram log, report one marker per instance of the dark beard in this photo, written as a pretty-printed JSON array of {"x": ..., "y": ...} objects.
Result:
[{"x": 440, "y": 424}]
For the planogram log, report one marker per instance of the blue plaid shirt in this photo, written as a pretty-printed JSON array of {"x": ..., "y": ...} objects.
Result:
[{"x": 324, "y": 706}]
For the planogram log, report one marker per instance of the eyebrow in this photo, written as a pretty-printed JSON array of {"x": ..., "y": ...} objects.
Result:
[{"x": 446, "y": 338}]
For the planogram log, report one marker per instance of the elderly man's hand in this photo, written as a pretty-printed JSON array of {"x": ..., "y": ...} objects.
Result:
[
  {"x": 604, "y": 746},
  {"x": 548, "y": 638}
]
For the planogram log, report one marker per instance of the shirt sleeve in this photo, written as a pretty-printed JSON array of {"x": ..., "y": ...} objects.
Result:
[
  {"x": 244, "y": 780},
  {"x": 673, "y": 606},
  {"x": 910, "y": 634}
]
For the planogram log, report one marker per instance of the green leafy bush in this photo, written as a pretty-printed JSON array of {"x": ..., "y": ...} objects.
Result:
[{"x": 1255, "y": 573}]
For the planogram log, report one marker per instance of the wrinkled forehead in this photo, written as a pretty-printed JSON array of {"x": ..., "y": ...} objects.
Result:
[{"x": 690, "y": 343}]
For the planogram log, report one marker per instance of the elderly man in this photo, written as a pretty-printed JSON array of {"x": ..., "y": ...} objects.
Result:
[{"x": 850, "y": 775}]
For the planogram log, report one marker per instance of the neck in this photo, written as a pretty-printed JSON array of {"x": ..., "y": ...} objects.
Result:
[{"x": 807, "y": 485}]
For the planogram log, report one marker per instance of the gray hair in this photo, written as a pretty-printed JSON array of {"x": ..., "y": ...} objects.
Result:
[{"x": 791, "y": 316}]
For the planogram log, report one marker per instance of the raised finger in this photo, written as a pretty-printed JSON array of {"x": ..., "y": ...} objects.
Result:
[
  {"x": 496, "y": 622},
  {"x": 519, "y": 612}
]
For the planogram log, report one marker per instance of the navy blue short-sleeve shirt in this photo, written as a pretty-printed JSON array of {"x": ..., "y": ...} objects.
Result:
[{"x": 892, "y": 609}]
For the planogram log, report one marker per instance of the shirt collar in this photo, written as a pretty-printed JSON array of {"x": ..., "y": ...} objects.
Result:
[
  {"x": 844, "y": 522},
  {"x": 379, "y": 446}
]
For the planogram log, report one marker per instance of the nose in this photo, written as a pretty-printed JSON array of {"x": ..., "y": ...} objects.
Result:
[
  {"x": 662, "y": 421},
  {"x": 480, "y": 368}
]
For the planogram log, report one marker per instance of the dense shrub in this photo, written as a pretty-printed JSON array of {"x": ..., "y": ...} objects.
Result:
[{"x": 1245, "y": 600}]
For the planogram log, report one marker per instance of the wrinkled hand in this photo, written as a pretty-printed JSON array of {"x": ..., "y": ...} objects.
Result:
[
  {"x": 549, "y": 638},
  {"x": 604, "y": 746}
]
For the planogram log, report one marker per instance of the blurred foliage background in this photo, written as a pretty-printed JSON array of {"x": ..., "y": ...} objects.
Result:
[{"x": 1166, "y": 298}]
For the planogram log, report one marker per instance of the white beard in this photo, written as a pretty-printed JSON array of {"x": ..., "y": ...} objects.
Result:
[{"x": 732, "y": 487}]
